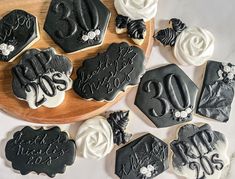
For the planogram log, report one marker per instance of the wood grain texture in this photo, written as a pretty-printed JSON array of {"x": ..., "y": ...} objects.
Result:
[{"x": 73, "y": 108}]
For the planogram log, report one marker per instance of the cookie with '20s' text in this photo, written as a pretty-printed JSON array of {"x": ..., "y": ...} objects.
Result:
[
  {"x": 18, "y": 31},
  {"x": 41, "y": 78},
  {"x": 101, "y": 78},
  {"x": 199, "y": 152},
  {"x": 41, "y": 151},
  {"x": 77, "y": 24}
]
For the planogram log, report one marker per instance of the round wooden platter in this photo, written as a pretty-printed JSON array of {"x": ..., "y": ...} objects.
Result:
[{"x": 73, "y": 108}]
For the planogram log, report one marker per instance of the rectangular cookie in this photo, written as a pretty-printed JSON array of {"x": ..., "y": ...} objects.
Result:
[{"x": 217, "y": 91}]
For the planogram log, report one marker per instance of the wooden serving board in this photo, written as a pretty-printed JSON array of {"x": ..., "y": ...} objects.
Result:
[{"x": 73, "y": 108}]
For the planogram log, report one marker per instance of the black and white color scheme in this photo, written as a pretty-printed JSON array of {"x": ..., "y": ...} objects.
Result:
[
  {"x": 96, "y": 136},
  {"x": 41, "y": 78},
  {"x": 18, "y": 30},
  {"x": 167, "y": 96},
  {"x": 168, "y": 36},
  {"x": 104, "y": 76},
  {"x": 41, "y": 151},
  {"x": 199, "y": 152},
  {"x": 77, "y": 24},
  {"x": 143, "y": 158},
  {"x": 136, "y": 29},
  {"x": 217, "y": 91}
]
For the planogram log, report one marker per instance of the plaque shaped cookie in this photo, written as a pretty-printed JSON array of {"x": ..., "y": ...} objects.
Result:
[
  {"x": 145, "y": 157},
  {"x": 199, "y": 152},
  {"x": 18, "y": 30},
  {"x": 104, "y": 76},
  {"x": 77, "y": 24},
  {"x": 167, "y": 96},
  {"x": 41, "y": 78},
  {"x": 41, "y": 151},
  {"x": 217, "y": 91}
]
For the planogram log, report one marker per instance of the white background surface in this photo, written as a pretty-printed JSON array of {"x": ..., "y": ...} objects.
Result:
[{"x": 215, "y": 15}]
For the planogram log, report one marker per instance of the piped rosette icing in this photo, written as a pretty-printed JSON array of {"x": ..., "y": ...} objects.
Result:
[
  {"x": 191, "y": 45},
  {"x": 96, "y": 136}
]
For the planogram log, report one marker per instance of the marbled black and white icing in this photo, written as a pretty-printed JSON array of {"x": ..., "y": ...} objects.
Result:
[
  {"x": 18, "y": 29},
  {"x": 41, "y": 151},
  {"x": 41, "y": 78},
  {"x": 167, "y": 96},
  {"x": 217, "y": 91},
  {"x": 76, "y": 25},
  {"x": 145, "y": 157},
  {"x": 101, "y": 78},
  {"x": 199, "y": 152}
]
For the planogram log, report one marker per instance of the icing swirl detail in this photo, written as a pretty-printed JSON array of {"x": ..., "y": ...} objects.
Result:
[
  {"x": 137, "y": 9},
  {"x": 194, "y": 46},
  {"x": 166, "y": 37},
  {"x": 95, "y": 138}
]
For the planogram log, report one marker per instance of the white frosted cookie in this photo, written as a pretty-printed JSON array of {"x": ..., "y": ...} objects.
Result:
[
  {"x": 96, "y": 136},
  {"x": 199, "y": 152},
  {"x": 137, "y": 9},
  {"x": 191, "y": 45}
]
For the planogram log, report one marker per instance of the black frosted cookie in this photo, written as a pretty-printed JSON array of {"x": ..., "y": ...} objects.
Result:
[
  {"x": 41, "y": 151},
  {"x": 41, "y": 78},
  {"x": 145, "y": 157},
  {"x": 199, "y": 152},
  {"x": 217, "y": 91},
  {"x": 18, "y": 30},
  {"x": 104, "y": 76},
  {"x": 77, "y": 24},
  {"x": 167, "y": 96}
]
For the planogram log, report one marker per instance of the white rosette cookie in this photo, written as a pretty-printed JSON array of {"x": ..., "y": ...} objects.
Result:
[
  {"x": 132, "y": 16},
  {"x": 191, "y": 45},
  {"x": 96, "y": 137}
]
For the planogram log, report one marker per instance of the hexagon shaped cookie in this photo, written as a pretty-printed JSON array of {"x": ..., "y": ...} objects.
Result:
[
  {"x": 76, "y": 25},
  {"x": 167, "y": 96},
  {"x": 145, "y": 157}
]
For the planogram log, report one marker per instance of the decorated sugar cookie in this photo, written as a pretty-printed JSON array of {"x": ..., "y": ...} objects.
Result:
[
  {"x": 96, "y": 136},
  {"x": 77, "y": 25},
  {"x": 103, "y": 77},
  {"x": 132, "y": 16},
  {"x": 191, "y": 45},
  {"x": 217, "y": 91},
  {"x": 18, "y": 30},
  {"x": 144, "y": 158},
  {"x": 41, "y": 78},
  {"x": 199, "y": 152},
  {"x": 41, "y": 151},
  {"x": 167, "y": 96}
]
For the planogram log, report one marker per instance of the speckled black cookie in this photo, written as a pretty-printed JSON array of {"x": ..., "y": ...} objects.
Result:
[
  {"x": 77, "y": 24},
  {"x": 41, "y": 151},
  {"x": 104, "y": 76},
  {"x": 217, "y": 91},
  {"x": 41, "y": 78},
  {"x": 18, "y": 29},
  {"x": 167, "y": 96},
  {"x": 199, "y": 152},
  {"x": 145, "y": 157}
]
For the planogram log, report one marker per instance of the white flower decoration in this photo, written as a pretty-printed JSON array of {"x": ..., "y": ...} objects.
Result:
[
  {"x": 95, "y": 138},
  {"x": 91, "y": 35},
  {"x": 183, "y": 114},
  {"x": 194, "y": 46},
  {"x": 6, "y": 49},
  {"x": 147, "y": 171},
  {"x": 227, "y": 72}
]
